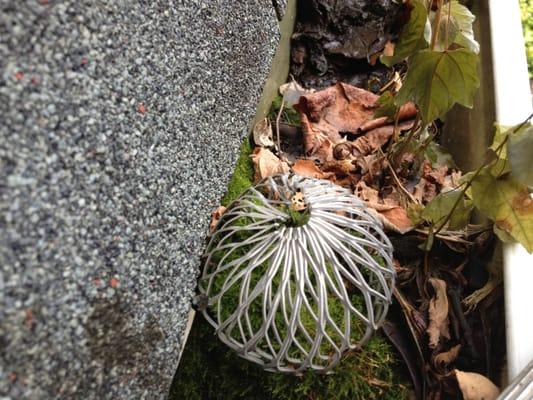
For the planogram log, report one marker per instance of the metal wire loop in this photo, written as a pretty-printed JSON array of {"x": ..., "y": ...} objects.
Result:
[{"x": 292, "y": 295}]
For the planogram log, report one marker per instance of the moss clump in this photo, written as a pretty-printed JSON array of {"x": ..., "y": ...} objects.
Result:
[
  {"x": 243, "y": 175},
  {"x": 209, "y": 371}
]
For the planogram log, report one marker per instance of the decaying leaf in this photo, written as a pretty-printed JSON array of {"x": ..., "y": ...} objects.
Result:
[
  {"x": 376, "y": 138},
  {"x": 339, "y": 108},
  {"x": 441, "y": 360},
  {"x": 215, "y": 216},
  {"x": 437, "y": 80},
  {"x": 397, "y": 220},
  {"x": 476, "y": 387},
  {"x": 263, "y": 133},
  {"x": 508, "y": 203},
  {"x": 438, "y": 313},
  {"x": 310, "y": 169},
  {"x": 267, "y": 164},
  {"x": 388, "y": 211},
  {"x": 292, "y": 92},
  {"x": 407, "y": 111}
]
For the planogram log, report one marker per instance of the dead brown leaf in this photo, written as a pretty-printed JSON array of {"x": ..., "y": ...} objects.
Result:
[
  {"x": 388, "y": 51},
  {"x": 476, "y": 387},
  {"x": 376, "y": 138},
  {"x": 263, "y": 133},
  {"x": 407, "y": 111},
  {"x": 339, "y": 108},
  {"x": 215, "y": 216},
  {"x": 318, "y": 139},
  {"x": 397, "y": 220},
  {"x": 393, "y": 217},
  {"x": 308, "y": 168},
  {"x": 441, "y": 360},
  {"x": 438, "y": 313},
  {"x": 340, "y": 168},
  {"x": 267, "y": 164},
  {"x": 366, "y": 193}
]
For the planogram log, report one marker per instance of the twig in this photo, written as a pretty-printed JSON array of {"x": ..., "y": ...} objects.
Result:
[
  {"x": 448, "y": 24},
  {"x": 408, "y": 139},
  {"x": 436, "y": 25},
  {"x": 278, "y": 117},
  {"x": 411, "y": 197}
]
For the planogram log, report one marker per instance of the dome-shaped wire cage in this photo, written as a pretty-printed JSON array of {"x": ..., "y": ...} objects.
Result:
[{"x": 296, "y": 273}]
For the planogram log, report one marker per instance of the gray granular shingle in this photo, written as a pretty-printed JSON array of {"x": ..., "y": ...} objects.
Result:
[{"x": 119, "y": 128}]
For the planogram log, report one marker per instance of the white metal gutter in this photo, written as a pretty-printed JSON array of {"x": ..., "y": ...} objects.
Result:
[{"x": 513, "y": 105}]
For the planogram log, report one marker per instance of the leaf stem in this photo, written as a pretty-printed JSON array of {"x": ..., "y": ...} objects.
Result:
[
  {"x": 448, "y": 24},
  {"x": 436, "y": 24}
]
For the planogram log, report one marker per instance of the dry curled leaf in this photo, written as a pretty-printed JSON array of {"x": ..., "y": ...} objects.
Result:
[
  {"x": 267, "y": 164},
  {"x": 438, "y": 313},
  {"x": 215, "y": 216},
  {"x": 339, "y": 108},
  {"x": 476, "y": 387},
  {"x": 309, "y": 168},
  {"x": 393, "y": 217},
  {"x": 396, "y": 219},
  {"x": 376, "y": 138},
  {"x": 292, "y": 92},
  {"x": 443, "y": 359},
  {"x": 406, "y": 112},
  {"x": 263, "y": 133}
]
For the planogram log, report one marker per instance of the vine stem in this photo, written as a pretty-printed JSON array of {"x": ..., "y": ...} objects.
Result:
[
  {"x": 478, "y": 171},
  {"x": 436, "y": 24},
  {"x": 278, "y": 117},
  {"x": 448, "y": 24}
]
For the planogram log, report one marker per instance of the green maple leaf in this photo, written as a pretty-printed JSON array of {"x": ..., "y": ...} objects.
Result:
[
  {"x": 413, "y": 36},
  {"x": 508, "y": 203},
  {"x": 520, "y": 153},
  {"x": 437, "y": 80},
  {"x": 456, "y": 28}
]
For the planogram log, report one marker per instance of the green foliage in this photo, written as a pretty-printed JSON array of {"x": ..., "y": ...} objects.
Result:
[
  {"x": 412, "y": 37},
  {"x": 438, "y": 155},
  {"x": 508, "y": 204},
  {"x": 446, "y": 74},
  {"x": 520, "y": 150},
  {"x": 446, "y": 203},
  {"x": 437, "y": 80},
  {"x": 526, "y": 6},
  {"x": 209, "y": 371},
  {"x": 242, "y": 177},
  {"x": 456, "y": 29},
  {"x": 387, "y": 107}
]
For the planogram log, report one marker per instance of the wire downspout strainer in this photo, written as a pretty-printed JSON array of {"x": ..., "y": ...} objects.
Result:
[{"x": 296, "y": 273}]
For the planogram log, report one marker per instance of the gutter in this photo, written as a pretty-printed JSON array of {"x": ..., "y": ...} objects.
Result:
[{"x": 513, "y": 105}]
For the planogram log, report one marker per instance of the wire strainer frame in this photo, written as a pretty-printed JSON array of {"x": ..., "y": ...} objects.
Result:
[{"x": 302, "y": 270}]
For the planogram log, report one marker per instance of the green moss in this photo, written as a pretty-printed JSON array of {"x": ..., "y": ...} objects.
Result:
[
  {"x": 243, "y": 175},
  {"x": 289, "y": 114},
  {"x": 208, "y": 371}
]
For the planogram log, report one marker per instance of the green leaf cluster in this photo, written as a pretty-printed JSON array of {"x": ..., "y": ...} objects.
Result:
[
  {"x": 501, "y": 189},
  {"x": 442, "y": 58}
]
